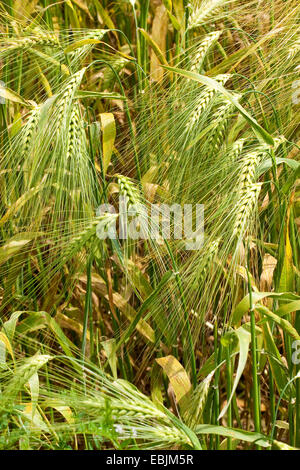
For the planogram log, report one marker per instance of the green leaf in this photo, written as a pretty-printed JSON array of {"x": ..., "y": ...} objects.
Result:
[
  {"x": 267, "y": 164},
  {"x": 277, "y": 366},
  {"x": 247, "y": 436},
  {"x": 244, "y": 338},
  {"x": 284, "y": 324},
  {"x": 244, "y": 304},
  {"x": 288, "y": 308}
]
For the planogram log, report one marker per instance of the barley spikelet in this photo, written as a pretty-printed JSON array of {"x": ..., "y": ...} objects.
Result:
[
  {"x": 74, "y": 134},
  {"x": 249, "y": 197},
  {"x": 248, "y": 170},
  {"x": 171, "y": 435},
  {"x": 80, "y": 52},
  {"x": 221, "y": 119},
  {"x": 203, "y": 49},
  {"x": 94, "y": 227},
  {"x": 236, "y": 149},
  {"x": 248, "y": 190},
  {"x": 204, "y": 12},
  {"x": 109, "y": 76},
  {"x": 129, "y": 190},
  {"x": 294, "y": 49},
  {"x": 21, "y": 377},
  {"x": 207, "y": 258},
  {"x": 126, "y": 409},
  {"x": 96, "y": 34},
  {"x": 203, "y": 101},
  {"x": 65, "y": 100},
  {"x": 193, "y": 414},
  {"x": 40, "y": 39},
  {"x": 29, "y": 128}
]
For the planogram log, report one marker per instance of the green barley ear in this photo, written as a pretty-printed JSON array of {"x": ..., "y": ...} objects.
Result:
[
  {"x": 40, "y": 39},
  {"x": 247, "y": 203},
  {"x": 193, "y": 415},
  {"x": 294, "y": 49},
  {"x": 91, "y": 393},
  {"x": 204, "y": 11},
  {"x": 28, "y": 134},
  {"x": 74, "y": 140},
  {"x": 89, "y": 232},
  {"x": 64, "y": 101},
  {"x": 220, "y": 119},
  {"x": 118, "y": 63},
  {"x": 202, "y": 50},
  {"x": 236, "y": 149},
  {"x": 206, "y": 260},
  {"x": 21, "y": 377},
  {"x": 203, "y": 101},
  {"x": 129, "y": 190},
  {"x": 248, "y": 191}
]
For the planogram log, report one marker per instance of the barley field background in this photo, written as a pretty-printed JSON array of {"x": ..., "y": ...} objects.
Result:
[{"x": 140, "y": 343}]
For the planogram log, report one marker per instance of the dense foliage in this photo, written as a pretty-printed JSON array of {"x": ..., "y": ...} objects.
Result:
[{"x": 141, "y": 343}]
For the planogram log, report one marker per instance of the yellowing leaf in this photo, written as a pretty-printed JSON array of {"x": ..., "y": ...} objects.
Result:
[
  {"x": 104, "y": 15},
  {"x": 287, "y": 275},
  {"x": 64, "y": 410},
  {"x": 177, "y": 375},
  {"x": 108, "y": 128},
  {"x": 109, "y": 347},
  {"x": 4, "y": 339},
  {"x": 159, "y": 32},
  {"x": 159, "y": 54},
  {"x": 14, "y": 245},
  {"x": 11, "y": 95}
]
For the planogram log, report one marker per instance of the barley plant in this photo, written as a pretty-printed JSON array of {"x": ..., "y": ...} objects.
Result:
[{"x": 139, "y": 342}]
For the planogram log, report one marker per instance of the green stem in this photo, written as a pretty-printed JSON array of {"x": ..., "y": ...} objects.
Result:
[
  {"x": 256, "y": 392},
  {"x": 186, "y": 316},
  {"x": 228, "y": 392},
  {"x": 87, "y": 305}
]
